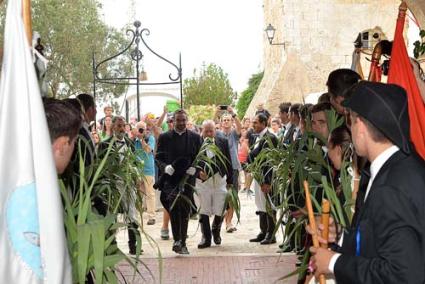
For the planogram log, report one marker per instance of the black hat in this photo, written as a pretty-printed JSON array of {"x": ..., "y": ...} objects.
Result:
[{"x": 384, "y": 106}]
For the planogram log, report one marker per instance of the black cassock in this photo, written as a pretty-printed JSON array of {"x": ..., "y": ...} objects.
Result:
[
  {"x": 179, "y": 150},
  {"x": 386, "y": 241}
]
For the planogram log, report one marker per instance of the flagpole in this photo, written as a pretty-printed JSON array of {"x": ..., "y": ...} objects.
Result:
[
  {"x": 312, "y": 223},
  {"x": 26, "y": 14}
]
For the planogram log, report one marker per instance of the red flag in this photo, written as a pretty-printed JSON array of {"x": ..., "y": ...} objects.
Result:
[{"x": 401, "y": 73}]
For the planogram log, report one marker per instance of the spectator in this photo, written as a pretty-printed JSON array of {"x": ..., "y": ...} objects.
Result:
[
  {"x": 106, "y": 128},
  {"x": 108, "y": 111},
  {"x": 145, "y": 144},
  {"x": 275, "y": 126},
  {"x": 232, "y": 134}
]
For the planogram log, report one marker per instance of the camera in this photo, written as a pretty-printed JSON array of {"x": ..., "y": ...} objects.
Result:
[
  {"x": 141, "y": 130},
  {"x": 223, "y": 107},
  {"x": 386, "y": 67}
]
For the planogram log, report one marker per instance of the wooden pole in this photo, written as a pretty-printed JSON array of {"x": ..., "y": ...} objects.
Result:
[
  {"x": 312, "y": 223},
  {"x": 326, "y": 210},
  {"x": 26, "y": 15}
]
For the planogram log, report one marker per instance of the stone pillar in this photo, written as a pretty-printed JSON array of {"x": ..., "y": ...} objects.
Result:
[{"x": 318, "y": 37}]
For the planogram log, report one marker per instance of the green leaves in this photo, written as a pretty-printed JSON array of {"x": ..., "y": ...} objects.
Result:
[
  {"x": 70, "y": 32},
  {"x": 91, "y": 237},
  {"x": 209, "y": 86},
  {"x": 419, "y": 45},
  {"x": 247, "y": 95}
]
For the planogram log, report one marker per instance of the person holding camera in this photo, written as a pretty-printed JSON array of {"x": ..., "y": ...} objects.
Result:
[
  {"x": 232, "y": 134},
  {"x": 145, "y": 144}
]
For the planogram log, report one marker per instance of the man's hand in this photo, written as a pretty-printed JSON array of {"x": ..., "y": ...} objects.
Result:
[
  {"x": 230, "y": 110},
  {"x": 320, "y": 260},
  {"x": 332, "y": 231},
  {"x": 266, "y": 188},
  {"x": 203, "y": 176},
  {"x": 191, "y": 171},
  {"x": 169, "y": 170}
]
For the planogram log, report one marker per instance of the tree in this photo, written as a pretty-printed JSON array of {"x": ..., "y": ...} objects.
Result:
[
  {"x": 70, "y": 32},
  {"x": 210, "y": 86},
  {"x": 248, "y": 94}
]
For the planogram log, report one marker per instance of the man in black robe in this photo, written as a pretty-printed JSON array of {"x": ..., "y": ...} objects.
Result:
[
  {"x": 386, "y": 240},
  {"x": 176, "y": 152}
]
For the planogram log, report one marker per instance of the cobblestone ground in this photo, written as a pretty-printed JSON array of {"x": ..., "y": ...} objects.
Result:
[{"x": 236, "y": 260}]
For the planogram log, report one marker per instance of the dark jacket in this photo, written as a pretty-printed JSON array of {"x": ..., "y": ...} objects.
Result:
[
  {"x": 389, "y": 227},
  {"x": 269, "y": 140},
  {"x": 223, "y": 169},
  {"x": 172, "y": 148},
  {"x": 289, "y": 137}
]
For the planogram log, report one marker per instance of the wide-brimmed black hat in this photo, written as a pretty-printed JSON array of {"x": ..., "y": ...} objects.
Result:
[{"x": 384, "y": 106}]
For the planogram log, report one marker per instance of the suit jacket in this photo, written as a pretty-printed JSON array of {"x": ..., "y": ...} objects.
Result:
[
  {"x": 103, "y": 146},
  {"x": 269, "y": 140},
  {"x": 388, "y": 229},
  {"x": 225, "y": 169},
  {"x": 289, "y": 137}
]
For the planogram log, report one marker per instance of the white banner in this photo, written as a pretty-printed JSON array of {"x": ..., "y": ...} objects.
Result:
[{"x": 32, "y": 237}]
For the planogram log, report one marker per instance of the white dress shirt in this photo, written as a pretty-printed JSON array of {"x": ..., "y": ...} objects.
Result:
[
  {"x": 375, "y": 166},
  {"x": 260, "y": 135}
]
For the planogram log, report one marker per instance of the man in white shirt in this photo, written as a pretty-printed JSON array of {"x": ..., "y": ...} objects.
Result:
[{"x": 386, "y": 240}]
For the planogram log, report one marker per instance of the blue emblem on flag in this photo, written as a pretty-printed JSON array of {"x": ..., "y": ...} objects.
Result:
[{"x": 23, "y": 227}]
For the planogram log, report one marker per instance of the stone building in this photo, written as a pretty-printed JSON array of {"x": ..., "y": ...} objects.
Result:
[{"x": 317, "y": 37}]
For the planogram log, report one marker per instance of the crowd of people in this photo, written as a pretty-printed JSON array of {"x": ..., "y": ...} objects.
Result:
[{"x": 385, "y": 241}]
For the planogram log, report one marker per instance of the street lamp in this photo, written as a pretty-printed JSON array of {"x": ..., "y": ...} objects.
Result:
[{"x": 270, "y": 31}]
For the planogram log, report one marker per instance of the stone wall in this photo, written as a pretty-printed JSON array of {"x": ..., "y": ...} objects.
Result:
[{"x": 318, "y": 37}]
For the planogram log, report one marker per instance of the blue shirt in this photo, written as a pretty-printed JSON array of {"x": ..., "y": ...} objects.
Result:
[{"x": 147, "y": 158}]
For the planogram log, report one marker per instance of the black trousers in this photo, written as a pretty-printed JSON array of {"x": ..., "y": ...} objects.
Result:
[{"x": 179, "y": 208}]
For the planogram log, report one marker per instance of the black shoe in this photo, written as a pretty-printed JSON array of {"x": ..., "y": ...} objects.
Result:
[
  {"x": 216, "y": 227},
  {"x": 177, "y": 247},
  {"x": 268, "y": 240},
  {"x": 133, "y": 251},
  {"x": 204, "y": 243},
  {"x": 204, "y": 222},
  {"x": 287, "y": 250},
  {"x": 260, "y": 237},
  {"x": 183, "y": 250},
  {"x": 217, "y": 239}
]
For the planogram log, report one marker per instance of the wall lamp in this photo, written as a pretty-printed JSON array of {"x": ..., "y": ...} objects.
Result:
[{"x": 270, "y": 31}]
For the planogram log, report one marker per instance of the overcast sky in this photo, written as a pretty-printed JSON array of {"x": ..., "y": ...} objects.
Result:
[{"x": 226, "y": 32}]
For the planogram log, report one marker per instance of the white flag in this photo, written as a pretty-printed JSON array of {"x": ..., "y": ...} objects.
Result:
[{"x": 32, "y": 237}]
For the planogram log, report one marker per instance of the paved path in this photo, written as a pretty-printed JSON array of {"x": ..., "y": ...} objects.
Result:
[{"x": 236, "y": 260}]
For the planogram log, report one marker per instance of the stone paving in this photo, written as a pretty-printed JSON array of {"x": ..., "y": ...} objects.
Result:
[{"x": 236, "y": 260}]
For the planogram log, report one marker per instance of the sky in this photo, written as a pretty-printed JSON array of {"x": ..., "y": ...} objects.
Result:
[{"x": 228, "y": 33}]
